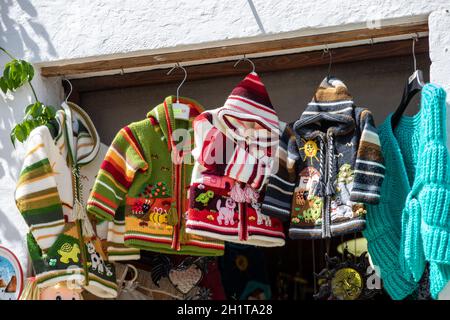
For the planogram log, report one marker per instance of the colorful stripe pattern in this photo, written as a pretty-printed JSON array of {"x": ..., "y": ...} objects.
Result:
[
  {"x": 369, "y": 167},
  {"x": 281, "y": 184},
  {"x": 223, "y": 156},
  {"x": 123, "y": 159},
  {"x": 37, "y": 196}
]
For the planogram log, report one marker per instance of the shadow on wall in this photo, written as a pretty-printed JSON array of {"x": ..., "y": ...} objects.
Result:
[
  {"x": 25, "y": 38},
  {"x": 13, "y": 34}
]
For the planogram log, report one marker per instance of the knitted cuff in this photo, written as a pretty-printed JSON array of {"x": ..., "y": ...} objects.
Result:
[
  {"x": 436, "y": 242},
  {"x": 98, "y": 213},
  {"x": 439, "y": 277}
]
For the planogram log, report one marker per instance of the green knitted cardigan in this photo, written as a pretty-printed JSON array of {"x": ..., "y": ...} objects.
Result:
[{"x": 411, "y": 224}]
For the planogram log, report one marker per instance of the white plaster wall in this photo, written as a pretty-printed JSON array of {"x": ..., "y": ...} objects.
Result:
[{"x": 48, "y": 30}]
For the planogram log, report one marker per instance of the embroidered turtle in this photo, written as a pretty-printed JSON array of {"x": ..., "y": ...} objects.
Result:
[
  {"x": 204, "y": 197},
  {"x": 69, "y": 252}
]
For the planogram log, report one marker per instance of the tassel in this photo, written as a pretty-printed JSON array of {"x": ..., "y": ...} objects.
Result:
[
  {"x": 250, "y": 194},
  {"x": 79, "y": 213},
  {"x": 237, "y": 193}
]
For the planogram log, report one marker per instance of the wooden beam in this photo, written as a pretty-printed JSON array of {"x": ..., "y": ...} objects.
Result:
[
  {"x": 152, "y": 60},
  {"x": 266, "y": 64}
]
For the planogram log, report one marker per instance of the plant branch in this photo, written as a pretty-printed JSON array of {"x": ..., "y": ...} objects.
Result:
[
  {"x": 34, "y": 92},
  {"x": 7, "y": 53}
]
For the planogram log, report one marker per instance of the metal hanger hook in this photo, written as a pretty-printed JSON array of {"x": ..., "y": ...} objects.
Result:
[
  {"x": 327, "y": 50},
  {"x": 246, "y": 59},
  {"x": 178, "y": 65},
  {"x": 415, "y": 39},
  {"x": 70, "y": 91}
]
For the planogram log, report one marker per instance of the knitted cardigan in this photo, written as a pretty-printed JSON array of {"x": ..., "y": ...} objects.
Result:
[
  {"x": 334, "y": 167},
  {"x": 411, "y": 224},
  {"x": 142, "y": 187},
  {"x": 234, "y": 146},
  {"x": 46, "y": 197}
]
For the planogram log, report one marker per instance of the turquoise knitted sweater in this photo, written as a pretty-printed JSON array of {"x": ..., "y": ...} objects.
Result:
[{"x": 411, "y": 224}]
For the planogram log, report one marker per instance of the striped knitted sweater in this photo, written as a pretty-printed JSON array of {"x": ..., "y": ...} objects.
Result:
[
  {"x": 234, "y": 149},
  {"x": 142, "y": 185},
  {"x": 330, "y": 166},
  {"x": 411, "y": 224},
  {"x": 45, "y": 197}
]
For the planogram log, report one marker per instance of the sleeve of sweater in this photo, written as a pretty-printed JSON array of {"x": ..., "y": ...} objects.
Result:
[
  {"x": 281, "y": 183},
  {"x": 123, "y": 159},
  {"x": 220, "y": 154},
  {"x": 36, "y": 194},
  {"x": 369, "y": 165}
]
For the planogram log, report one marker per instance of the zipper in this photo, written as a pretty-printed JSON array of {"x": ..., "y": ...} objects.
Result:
[
  {"x": 327, "y": 203},
  {"x": 176, "y": 229},
  {"x": 243, "y": 233}
]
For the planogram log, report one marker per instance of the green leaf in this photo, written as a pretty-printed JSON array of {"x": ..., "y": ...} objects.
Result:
[
  {"x": 12, "y": 135},
  {"x": 28, "y": 70},
  {"x": 3, "y": 85},
  {"x": 17, "y": 73},
  {"x": 34, "y": 110},
  {"x": 19, "y": 133}
]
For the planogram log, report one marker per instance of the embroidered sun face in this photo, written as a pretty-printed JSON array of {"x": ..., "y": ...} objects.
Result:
[{"x": 310, "y": 149}]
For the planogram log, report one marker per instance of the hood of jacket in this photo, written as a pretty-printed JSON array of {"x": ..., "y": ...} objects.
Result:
[
  {"x": 248, "y": 114},
  {"x": 82, "y": 141},
  {"x": 331, "y": 111}
]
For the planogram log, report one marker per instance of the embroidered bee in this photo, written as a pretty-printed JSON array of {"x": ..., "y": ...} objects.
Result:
[
  {"x": 166, "y": 169},
  {"x": 154, "y": 156}
]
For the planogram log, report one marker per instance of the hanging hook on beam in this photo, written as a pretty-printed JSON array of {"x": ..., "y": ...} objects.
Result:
[
  {"x": 415, "y": 39},
  {"x": 325, "y": 51},
  {"x": 246, "y": 59},
  {"x": 178, "y": 65}
]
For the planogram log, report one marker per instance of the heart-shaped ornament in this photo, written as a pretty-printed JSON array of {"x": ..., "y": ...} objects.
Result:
[{"x": 184, "y": 279}]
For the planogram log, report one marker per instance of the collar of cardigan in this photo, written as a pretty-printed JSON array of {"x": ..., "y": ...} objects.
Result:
[
  {"x": 329, "y": 112},
  {"x": 163, "y": 115},
  {"x": 80, "y": 135}
]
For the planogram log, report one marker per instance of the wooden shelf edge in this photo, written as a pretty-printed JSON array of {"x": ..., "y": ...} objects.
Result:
[
  {"x": 264, "y": 64},
  {"x": 220, "y": 52}
]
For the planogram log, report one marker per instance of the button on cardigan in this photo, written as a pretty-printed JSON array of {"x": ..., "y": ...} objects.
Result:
[{"x": 411, "y": 224}]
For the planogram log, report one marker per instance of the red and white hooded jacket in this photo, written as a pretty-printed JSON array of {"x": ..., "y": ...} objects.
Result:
[{"x": 234, "y": 150}]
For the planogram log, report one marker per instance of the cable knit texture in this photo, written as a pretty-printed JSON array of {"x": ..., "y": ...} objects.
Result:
[{"x": 411, "y": 225}]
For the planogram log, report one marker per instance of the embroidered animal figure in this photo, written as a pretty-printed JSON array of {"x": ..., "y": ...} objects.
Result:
[
  {"x": 262, "y": 218},
  {"x": 97, "y": 262},
  {"x": 159, "y": 216},
  {"x": 339, "y": 210},
  {"x": 204, "y": 197},
  {"x": 345, "y": 184},
  {"x": 226, "y": 214},
  {"x": 69, "y": 252}
]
